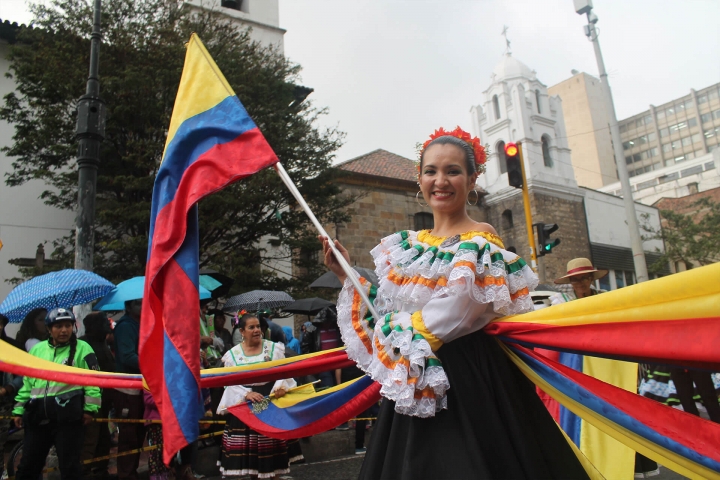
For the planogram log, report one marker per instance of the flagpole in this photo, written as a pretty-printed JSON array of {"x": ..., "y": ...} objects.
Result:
[{"x": 351, "y": 274}]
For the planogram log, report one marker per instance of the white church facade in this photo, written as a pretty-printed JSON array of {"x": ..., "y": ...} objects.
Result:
[{"x": 516, "y": 108}]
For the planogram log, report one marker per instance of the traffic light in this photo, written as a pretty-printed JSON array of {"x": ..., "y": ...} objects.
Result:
[
  {"x": 514, "y": 167},
  {"x": 545, "y": 244}
]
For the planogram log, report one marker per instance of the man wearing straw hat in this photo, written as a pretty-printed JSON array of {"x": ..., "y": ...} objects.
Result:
[{"x": 580, "y": 274}]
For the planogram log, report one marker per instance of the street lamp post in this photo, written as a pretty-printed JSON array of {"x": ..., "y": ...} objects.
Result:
[
  {"x": 90, "y": 133},
  {"x": 585, "y": 7}
]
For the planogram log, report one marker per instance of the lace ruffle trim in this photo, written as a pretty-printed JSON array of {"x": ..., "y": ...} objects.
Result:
[
  {"x": 394, "y": 356},
  {"x": 412, "y": 274}
]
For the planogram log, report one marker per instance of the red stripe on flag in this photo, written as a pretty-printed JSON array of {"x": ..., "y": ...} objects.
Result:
[
  {"x": 696, "y": 433},
  {"x": 212, "y": 171},
  {"x": 352, "y": 408},
  {"x": 653, "y": 341}
]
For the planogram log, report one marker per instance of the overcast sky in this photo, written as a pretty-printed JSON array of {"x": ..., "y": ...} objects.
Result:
[{"x": 391, "y": 71}]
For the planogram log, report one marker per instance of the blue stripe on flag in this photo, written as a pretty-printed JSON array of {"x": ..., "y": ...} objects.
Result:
[
  {"x": 183, "y": 390},
  {"x": 313, "y": 409},
  {"x": 221, "y": 124},
  {"x": 612, "y": 413}
]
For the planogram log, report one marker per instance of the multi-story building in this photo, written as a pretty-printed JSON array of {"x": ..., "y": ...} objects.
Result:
[
  {"x": 672, "y": 133},
  {"x": 587, "y": 127}
]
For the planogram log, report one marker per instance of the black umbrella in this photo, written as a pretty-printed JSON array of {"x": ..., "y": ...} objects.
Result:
[
  {"x": 219, "y": 290},
  {"x": 257, "y": 300},
  {"x": 307, "y": 306},
  {"x": 330, "y": 280}
]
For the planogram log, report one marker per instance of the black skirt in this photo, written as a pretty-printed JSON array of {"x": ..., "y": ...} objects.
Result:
[{"x": 495, "y": 426}]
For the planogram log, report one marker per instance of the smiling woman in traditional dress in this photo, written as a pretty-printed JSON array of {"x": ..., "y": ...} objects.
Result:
[
  {"x": 244, "y": 451},
  {"x": 456, "y": 406}
]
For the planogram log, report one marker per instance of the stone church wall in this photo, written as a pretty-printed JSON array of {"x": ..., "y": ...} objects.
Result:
[
  {"x": 378, "y": 212},
  {"x": 568, "y": 214}
]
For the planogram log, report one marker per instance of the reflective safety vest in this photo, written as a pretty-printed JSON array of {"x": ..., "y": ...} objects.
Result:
[{"x": 36, "y": 388}]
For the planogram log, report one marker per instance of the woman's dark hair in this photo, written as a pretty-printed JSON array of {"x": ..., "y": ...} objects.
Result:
[
  {"x": 28, "y": 329},
  {"x": 461, "y": 144},
  {"x": 73, "y": 347},
  {"x": 97, "y": 325},
  {"x": 3, "y": 335},
  {"x": 243, "y": 320}
]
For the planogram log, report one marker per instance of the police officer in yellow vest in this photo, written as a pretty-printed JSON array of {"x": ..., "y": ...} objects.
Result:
[{"x": 54, "y": 413}]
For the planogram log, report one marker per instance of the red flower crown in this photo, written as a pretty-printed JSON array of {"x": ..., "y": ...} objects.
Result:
[{"x": 474, "y": 142}]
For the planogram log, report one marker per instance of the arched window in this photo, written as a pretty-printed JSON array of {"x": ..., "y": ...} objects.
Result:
[
  {"x": 496, "y": 107},
  {"x": 547, "y": 160},
  {"x": 537, "y": 100},
  {"x": 500, "y": 149},
  {"x": 424, "y": 221},
  {"x": 506, "y": 222}
]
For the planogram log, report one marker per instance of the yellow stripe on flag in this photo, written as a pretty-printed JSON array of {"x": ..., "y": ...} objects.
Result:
[
  {"x": 690, "y": 294},
  {"x": 202, "y": 86},
  {"x": 665, "y": 457}
]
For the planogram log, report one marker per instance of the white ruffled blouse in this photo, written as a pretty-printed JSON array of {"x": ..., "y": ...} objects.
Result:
[{"x": 429, "y": 294}]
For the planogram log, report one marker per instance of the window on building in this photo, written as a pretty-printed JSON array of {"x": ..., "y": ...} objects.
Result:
[
  {"x": 654, "y": 152},
  {"x": 676, "y": 144},
  {"x": 424, "y": 221},
  {"x": 605, "y": 283},
  {"x": 233, "y": 4},
  {"x": 692, "y": 122},
  {"x": 712, "y": 94},
  {"x": 712, "y": 132},
  {"x": 702, "y": 99},
  {"x": 547, "y": 160},
  {"x": 670, "y": 111},
  {"x": 623, "y": 128},
  {"x": 639, "y": 123},
  {"x": 628, "y": 145},
  {"x": 629, "y": 278},
  {"x": 628, "y": 160},
  {"x": 647, "y": 184},
  {"x": 678, "y": 126},
  {"x": 496, "y": 107},
  {"x": 500, "y": 149},
  {"x": 506, "y": 222},
  {"x": 651, "y": 137},
  {"x": 666, "y": 147},
  {"x": 664, "y": 132},
  {"x": 681, "y": 158},
  {"x": 619, "y": 279},
  {"x": 716, "y": 114},
  {"x": 669, "y": 178},
  {"x": 705, "y": 117},
  {"x": 691, "y": 171},
  {"x": 692, "y": 188},
  {"x": 537, "y": 100},
  {"x": 642, "y": 140},
  {"x": 709, "y": 166},
  {"x": 660, "y": 113},
  {"x": 688, "y": 104},
  {"x": 679, "y": 108},
  {"x": 686, "y": 141},
  {"x": 648, "y": 119},
  {"x": 696, "y": 138}
]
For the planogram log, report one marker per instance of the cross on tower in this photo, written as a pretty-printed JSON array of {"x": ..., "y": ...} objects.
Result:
[{"x": 507, "y": 42}]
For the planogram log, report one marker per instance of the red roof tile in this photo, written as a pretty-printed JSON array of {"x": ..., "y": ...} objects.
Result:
[{"x": 381, "y": 163}]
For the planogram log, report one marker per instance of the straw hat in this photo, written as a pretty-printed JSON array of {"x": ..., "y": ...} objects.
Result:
[{"x": 580, "y": 266}]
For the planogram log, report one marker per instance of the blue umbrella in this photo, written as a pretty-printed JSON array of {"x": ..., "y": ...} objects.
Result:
[
  {"x": 132, "y": 289},
  {"x": 63, "y": 289}
]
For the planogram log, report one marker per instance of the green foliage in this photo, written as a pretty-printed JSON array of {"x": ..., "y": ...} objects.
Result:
[
  {"x": 141, "y": 60},
  {"x": 693, "y": 238}
]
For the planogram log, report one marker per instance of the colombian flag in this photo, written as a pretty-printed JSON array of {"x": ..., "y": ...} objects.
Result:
[
  {"x": 304, "y": 412},
  {"x": 212, "y": 142}
]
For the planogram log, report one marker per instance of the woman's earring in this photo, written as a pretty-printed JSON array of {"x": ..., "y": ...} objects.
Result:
[
  {"x": 477, "y": 198},
  {"x": 417, "y": 199}
]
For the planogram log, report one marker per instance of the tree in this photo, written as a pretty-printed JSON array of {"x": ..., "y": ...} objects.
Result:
[
  {"x": 141, "y": 61},
  {"x": 691, "y": 235}
]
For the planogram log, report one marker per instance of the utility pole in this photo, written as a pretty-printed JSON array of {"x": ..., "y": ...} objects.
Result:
[
  {"x": 585, "y": 7},
  {"x": 90, "y": 133}
]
